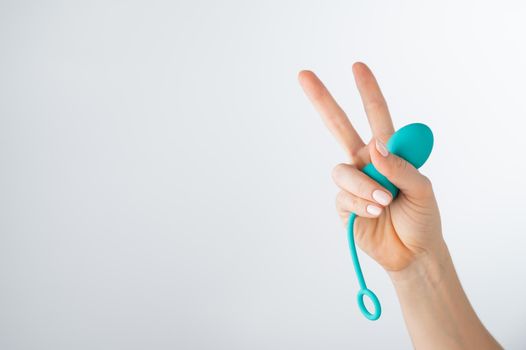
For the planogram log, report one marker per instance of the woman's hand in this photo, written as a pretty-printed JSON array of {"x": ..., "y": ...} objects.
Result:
[
  {"x": 404, "y": 236},
  {"x": 394, "y": 234}
]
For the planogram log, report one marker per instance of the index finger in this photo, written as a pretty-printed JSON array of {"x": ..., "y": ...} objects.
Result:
[{"x": 332, "y": 114}]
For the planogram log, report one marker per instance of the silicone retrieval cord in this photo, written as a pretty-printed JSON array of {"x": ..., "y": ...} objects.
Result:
[{"x": 363, "y": 287}]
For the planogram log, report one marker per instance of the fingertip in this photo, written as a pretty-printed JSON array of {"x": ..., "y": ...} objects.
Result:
[
  {"x": 374, "y": 210},
  {"x": 376, "y": 157},
  {"x": 304, "y": 75},
  {"x": 382, "y": 163},
  {"x": 358, "y": 65},
  {"x": 359, "y": 68},
  {"x": 383, "y": 197},
  {"x": 398, "y": 171},
  {"x": 311, "y": 84}
]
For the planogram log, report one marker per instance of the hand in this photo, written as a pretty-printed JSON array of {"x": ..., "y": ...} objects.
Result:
[
  {"x": 404, "y": 236},
  {"x": 394, "y": 234}
]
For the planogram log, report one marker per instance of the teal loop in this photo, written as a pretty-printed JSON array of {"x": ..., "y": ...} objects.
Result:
[
  {"x": 357, "y": 268},
  {"x": 374, "y": 299}
]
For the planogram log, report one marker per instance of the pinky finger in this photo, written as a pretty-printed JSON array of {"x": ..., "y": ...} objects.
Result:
[{"x": 347, "y": 203}]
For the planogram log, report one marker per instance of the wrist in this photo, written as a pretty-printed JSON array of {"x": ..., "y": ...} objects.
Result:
[
  {"x": 429, "y": 266},
  {"x": 435, "y": 307}
]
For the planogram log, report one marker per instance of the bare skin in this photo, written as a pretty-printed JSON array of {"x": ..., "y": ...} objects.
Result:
[{"x": 404, "y": 236}]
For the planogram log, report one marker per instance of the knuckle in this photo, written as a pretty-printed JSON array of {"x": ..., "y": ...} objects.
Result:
[
  {"x": 361, "y": 188},
  {"x": 354, "y": 156},
  {"x": 337, "y": 172},
  {"x": 426, "y": 181},
  {"x": 427, "y": 185},
  {"x": 346, "y": 201},
  {"x": 397, "y": 169},
  {"x": 375, "y": 105},
  {"x": 353, "y": 203},
  {"x": 400, "y": 164}
]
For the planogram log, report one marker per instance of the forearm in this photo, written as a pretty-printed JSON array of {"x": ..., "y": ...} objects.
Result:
[{"x": 436, "y": 309}]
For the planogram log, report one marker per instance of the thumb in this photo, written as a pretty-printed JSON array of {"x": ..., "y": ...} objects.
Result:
[{"x": 400, "y": 172}]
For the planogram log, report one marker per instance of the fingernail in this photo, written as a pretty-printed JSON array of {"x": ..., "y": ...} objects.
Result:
[
  {"x": 381, "y": 197},
  {"x": 381, "y": 148},
  {"x": 374, "y": 210}
]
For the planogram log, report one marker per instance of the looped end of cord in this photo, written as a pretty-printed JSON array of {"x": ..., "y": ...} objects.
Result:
[
  {"x": 359, "y": 275},
  {"x": 376, "y": 303}
]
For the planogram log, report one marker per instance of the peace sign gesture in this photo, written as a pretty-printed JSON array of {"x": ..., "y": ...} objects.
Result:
[{"x": 397, "y": 233}]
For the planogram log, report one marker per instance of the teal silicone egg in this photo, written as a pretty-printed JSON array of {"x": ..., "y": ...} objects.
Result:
[{"x": 413, "y": 143}]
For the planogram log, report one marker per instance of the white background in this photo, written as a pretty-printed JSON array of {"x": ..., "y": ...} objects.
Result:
[{"x": 164, "y": 183}]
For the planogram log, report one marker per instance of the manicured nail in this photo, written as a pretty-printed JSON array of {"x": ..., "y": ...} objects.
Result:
[
  {"x": 381, "y": 148},
  {"x": 381, "y": 197},
  {"x": 374, "y": 210}
]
